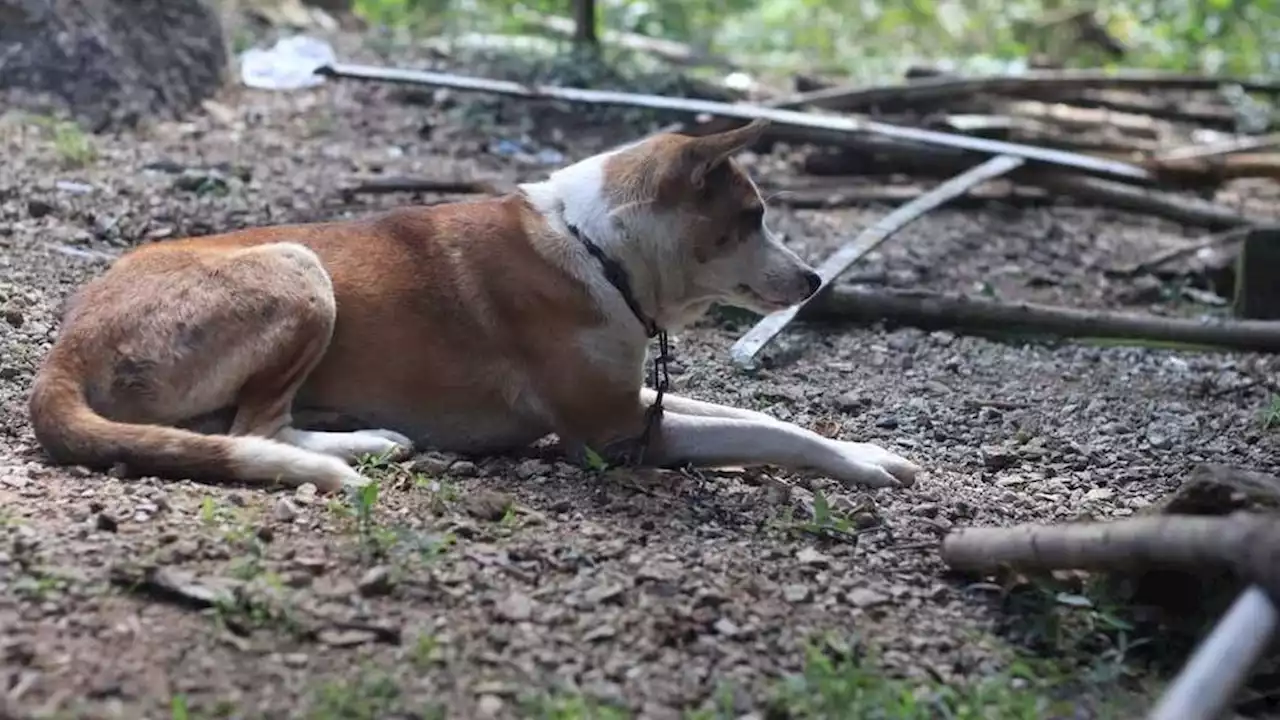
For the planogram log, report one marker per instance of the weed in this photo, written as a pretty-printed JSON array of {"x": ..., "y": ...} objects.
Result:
[
  {"x": 571, "y": 707},
  {"x": 178, "y": 708},
  {"x": 1271, "y": 414},
  {"x": 426, "y": 651},
  {"x": 594, "y": 461},
  {"x": 826, "y": 521},
  {"x": 369, "y": 696},
  {"x": 843, "y": 682}
]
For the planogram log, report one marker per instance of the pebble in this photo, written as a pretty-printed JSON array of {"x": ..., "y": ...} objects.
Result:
[
  {"x": 489, "y": 706},
  {"x": 106, "y": 523},
  {"x": 376, "y": 581},
  {"x": 285, "y": 510},
  {"x": 865, "y": 597},
  {"x": 1100, "y": 493},
  {"x": 726, "y": 627},
  {"x": 464, "y": 468},
  {"x": 810, "y": 556},
  {"x": 796, "y": 593},
  {"x": 306, "y": 493},
  {"x": 516, "y": 607}
]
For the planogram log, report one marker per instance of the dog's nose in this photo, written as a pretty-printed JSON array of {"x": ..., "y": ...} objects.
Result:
[{"x": 814, "y": 280}]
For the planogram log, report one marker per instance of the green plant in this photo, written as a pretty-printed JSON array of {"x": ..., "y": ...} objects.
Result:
[
  {"x": 1271, "y": 414},
  {"x": 370, "y": 695},
  {"x": 570, "y": 706}
]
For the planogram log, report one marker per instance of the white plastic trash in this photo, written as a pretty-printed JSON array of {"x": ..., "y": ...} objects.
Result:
[{"x": 289, "y": 65}]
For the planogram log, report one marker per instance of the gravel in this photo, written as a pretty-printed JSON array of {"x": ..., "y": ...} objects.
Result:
[{"x": 473, "y": 582}]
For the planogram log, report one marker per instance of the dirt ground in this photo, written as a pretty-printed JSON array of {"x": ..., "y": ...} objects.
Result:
[{"x": 501, "y": 587}]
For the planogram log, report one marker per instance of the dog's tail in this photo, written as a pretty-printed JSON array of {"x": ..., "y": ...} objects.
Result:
[{"x": 73, "y": 433}]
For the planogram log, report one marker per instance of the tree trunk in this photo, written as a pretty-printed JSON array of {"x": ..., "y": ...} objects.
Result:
[
  {"x": 584, "y": 18},
  {"x": 110, "y": 62}
]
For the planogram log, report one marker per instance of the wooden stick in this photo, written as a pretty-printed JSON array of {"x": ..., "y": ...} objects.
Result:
[
  {"x": 833, "y": 126},
  {"x": 1165, "y": 257},
  {"x": 1205, "y": 686},
  {"x": 837, "y": 197},
  {"x": 932, "y": 311},
  {"x": 1226, "y": 147},
  {"x": 876, "y": 153},
  {"x": 745, "y": 349},
  {"x": 1179, "y": 208},
  {"x": 1248, "y": 543},
  {"x": 933, "y": 90}
]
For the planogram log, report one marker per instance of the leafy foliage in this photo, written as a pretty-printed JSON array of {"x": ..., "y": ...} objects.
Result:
[{"x": 870, "y": 38}]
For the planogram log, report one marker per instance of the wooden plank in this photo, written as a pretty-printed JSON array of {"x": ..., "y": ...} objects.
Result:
[
  {"x": 829, "y": 124},
  {"x": 1257, "y": 294},
  {"x": 745, "y": 349}
]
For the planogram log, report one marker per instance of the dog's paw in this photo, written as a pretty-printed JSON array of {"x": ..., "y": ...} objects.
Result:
[
  {"x": 385, "y": 443},
  {"x": 873, "y": 466}
]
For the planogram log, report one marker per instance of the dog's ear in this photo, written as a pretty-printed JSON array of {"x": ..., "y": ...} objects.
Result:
[{"x": 705, "y": 153}]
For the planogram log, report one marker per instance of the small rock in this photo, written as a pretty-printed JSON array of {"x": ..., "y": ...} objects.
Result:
[
  {"x": 285, "y": 510},
  {"x": 39, "y": 208},
  {"x": 796, "y": 593},
  {"x": 810, "y": 556},
  {"x": 1100, "y": 493},
  {"x": 1159, "y": 442},
  {"x": 604, "y": 593},
  {"x": 530, "y": 469},
  {"x": 517, "y": 607},
  {"x": 997, "y": 458},
  {"x": 431, "y": 464},
  {"x": 306, "y": 493},
  {"x": 726, "y": 627},
  {"x": 464, "y": 468},
  {"x": 489, "y": 706},
  {"x": 106, "y": 523},
  {"x": 295, "y": 659},
  {"x": 851, "y": 402},
  {"x": 600, "y": 632},
  {"x": 376, "y": 581},
  {"x": 865, "y": 598},
  {"x": 487, "y": 505},
  {"x": 13, "y": 315}
]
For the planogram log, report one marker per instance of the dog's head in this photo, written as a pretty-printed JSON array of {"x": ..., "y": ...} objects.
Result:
[{"x": 702, "y": 219}]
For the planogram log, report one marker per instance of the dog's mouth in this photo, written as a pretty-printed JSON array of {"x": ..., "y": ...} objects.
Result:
[{"x": 748, "y": 293}]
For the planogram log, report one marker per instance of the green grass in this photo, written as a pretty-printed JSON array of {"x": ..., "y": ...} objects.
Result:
[{"x": 1271, "y": 413}]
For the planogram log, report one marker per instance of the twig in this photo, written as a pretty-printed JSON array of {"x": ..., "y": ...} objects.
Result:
[
  {"x": 934, "y": 90},
  {"x": 1226, "y": 147},
  {"x": 1205, "y": 686},
  {"x": 874, "y": 153},
  {"x": 1195, "y": 113},
  {"x": 745, "y": 349},
  {"x": 1179, "y": 208},
  {"x": 834, "y": 127},
  {"x": 1248, "y": 543},
  {"x": 817, "y": 198},
  {"x": 1164, "y": 257},
  {"x": 930, "y": 311}
]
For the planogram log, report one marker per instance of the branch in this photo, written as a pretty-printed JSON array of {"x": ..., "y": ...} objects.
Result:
[
  {"x": 1248, "y": 543},
  {"x": 903, "y": 157},
  {"x": 836, "y": 128},
  {"x": 1226, "y": 147},
  {"x": 837, "y": 197},
  {"x": 745, "y": 349},
  {"x": 933, "y": 91},
  {"x": 931, "y": 311},
  {"x": 1167, "y": 256}
]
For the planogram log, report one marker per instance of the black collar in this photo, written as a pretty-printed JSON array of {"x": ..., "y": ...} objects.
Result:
[{"x": 617, "y": 276}]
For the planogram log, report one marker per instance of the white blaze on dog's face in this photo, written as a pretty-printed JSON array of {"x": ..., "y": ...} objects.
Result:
[{"x": 707, "y": 218}]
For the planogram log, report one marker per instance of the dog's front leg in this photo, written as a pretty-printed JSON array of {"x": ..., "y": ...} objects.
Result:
[
  {"x": 689, "y": 406},
  {"x": 717, "y": 441}
]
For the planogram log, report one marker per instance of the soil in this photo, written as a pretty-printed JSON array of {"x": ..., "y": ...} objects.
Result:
[{"x": 470, "y": 585}]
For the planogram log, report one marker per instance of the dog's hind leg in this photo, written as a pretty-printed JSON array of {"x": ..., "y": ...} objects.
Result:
[{"x": 264, "y": 404}]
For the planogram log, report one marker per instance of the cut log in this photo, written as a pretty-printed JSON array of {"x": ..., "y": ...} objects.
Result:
[
  {"x": 932, "y": 311},
  {"x": 1258, "y": 276},
  {"x": 110, "y": 62}
]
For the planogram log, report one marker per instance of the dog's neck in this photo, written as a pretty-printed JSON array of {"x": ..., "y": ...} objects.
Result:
[{"x": 574, "y": 198}]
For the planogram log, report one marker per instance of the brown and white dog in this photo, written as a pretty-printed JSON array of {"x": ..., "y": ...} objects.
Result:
[{"x": 469, "y": 327}]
